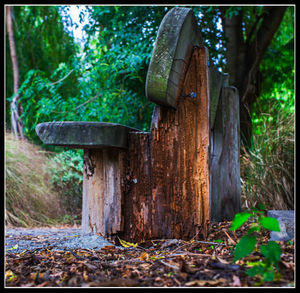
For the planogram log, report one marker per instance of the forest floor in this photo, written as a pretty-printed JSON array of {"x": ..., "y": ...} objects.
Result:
[{"x": 153, "y": 263}]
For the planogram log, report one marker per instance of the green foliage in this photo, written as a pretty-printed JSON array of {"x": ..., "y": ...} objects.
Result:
[
  {"x": 267, "y": 170},
  {"x": 278, "y": 76},
  {"x": 269, "y": 223},
  {"x": 271, "y": 251},
  {"x": 239, "y": 220},
  {"x": 244, "y": 247},
  {"x": 41, "y": 44},
  {"x": 66, "y": 171}
]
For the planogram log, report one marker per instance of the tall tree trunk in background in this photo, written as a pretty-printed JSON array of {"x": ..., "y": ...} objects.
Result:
[
  {"x": 244, "y": 57},
  {"x": 15, "y": 107}
]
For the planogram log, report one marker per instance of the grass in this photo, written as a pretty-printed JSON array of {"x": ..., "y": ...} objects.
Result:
[
  {"x": 267, "y": 170},
  {"x": 29, "y": 198}
]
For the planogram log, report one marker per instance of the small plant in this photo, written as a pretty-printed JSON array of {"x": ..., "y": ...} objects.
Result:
[
  {"x": 66, "y": 170},
  {"x": 271, "y": 251}
]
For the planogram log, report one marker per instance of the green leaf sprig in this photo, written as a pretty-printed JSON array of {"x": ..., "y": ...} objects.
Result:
[{"x": 267, "y": 267}]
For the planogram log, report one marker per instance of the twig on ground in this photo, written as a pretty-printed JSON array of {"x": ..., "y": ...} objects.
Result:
[{"x": 231, "y": 240}]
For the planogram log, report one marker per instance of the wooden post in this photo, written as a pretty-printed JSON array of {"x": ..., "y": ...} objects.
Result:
[
  {"x": 168, "y": 168},
  {"x": 225, "y": 166},
  {"x": 103, "y": 186}
]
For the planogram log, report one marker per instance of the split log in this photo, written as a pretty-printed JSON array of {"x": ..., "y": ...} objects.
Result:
[{"x": 225, "y": 163}]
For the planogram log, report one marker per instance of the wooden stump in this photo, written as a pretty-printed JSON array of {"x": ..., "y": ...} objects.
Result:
[
  {"x": 169, "y": 182},
  {"x": 168, "y": 168},
  {"x": 103, "y": 187}
]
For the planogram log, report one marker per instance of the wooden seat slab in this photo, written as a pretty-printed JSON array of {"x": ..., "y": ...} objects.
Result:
[{"x": 84, "y": 135}]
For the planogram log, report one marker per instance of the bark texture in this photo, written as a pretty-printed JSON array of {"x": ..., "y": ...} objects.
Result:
[
  {"x": 169, "y": 167},
  {"x": 244, "y": 57},
  {"x": 15, "y": 106}
]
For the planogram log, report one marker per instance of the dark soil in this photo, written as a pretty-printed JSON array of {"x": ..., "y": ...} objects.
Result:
[{"x": 40, "y": 258}]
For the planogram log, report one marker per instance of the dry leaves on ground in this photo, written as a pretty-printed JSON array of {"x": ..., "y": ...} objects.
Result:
[{"x": 153, "y": 263}]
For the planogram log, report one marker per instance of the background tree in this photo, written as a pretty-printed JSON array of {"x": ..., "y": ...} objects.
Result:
[
  {"x": 42, "y": 45},
  {"x": 105, "y": 80},
  {"x": 247, "y": 43},
  {"x": 16, "y": 123}
]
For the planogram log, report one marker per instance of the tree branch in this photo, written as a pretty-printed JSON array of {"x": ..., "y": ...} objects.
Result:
[
  {"x": 257, "y": 49},
  {"x": 88, "y": 101},
  {"x": 270, "y": 24},
  {"x": 235, "y": 46},
  {"x": 61, "y": 78},
  {"x": 254, "y": 27}
]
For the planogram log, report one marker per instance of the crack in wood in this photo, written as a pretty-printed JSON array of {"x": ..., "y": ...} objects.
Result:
[{"x": 88, "y": 164}]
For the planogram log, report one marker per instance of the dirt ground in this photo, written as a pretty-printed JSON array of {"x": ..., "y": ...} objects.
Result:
[{"x": 153, "y": 263}]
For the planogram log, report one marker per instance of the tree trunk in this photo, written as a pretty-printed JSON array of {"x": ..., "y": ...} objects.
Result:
[
  {"x": 244, "y": 57},
  {"x": 15, "y": 106}
]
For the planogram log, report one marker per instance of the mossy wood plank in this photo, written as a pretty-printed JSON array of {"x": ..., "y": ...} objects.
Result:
[
  {"x": 177, "y": 35},
  {"x": 84, "y": 135}
]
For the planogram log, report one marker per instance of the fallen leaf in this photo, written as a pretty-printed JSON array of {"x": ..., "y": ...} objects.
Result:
[
  {"x": 85, "y": 276},
  {"x": 236, "y": 281},
  {"x": 73, "y": 268},
  {"x": 144, "y": 256},
  {"x": 10, "y": 275},
  {"x": 169, "y": 243},
  {"x": 127, "y": 244},
  {"x": 205, "y": 282},
  {"x": 109, "y": 248},
  {"x": 43, "y": 284},
  {"x": 90, "y": 267},
  {"x": 222, "y": 260}
]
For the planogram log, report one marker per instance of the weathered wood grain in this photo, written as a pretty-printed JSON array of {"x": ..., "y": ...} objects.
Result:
[
  {"x": 217, "y": 80},
  {"x": 225, "y": 162},
  {"x": 177, "y": 35},
  {"x": 137, "y": 201},
  {"x": 170, "y": 197},
  {"x": 84, "y": 135},
  {"x": 103, "y": 188}
]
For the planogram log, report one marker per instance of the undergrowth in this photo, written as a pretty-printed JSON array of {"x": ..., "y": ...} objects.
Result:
[
  {"x": 66, "y": 175},
  {"x": 29, "y": 198},
  {"x": 267, "y": 169}
]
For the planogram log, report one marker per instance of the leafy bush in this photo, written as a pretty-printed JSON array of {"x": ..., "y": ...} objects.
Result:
[
  {"x": 66, "y": 171},
  {"x": 267, "y": 267}
]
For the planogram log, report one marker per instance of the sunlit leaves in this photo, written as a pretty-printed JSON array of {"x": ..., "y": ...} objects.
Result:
[
  {"x": 270, "y": 223},
  {"x": 239, "y": 220}
]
